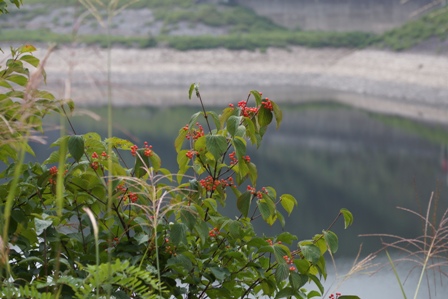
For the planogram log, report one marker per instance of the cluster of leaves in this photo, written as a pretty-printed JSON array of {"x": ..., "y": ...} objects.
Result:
[
  {"x": 67, "y": 218},
  {"x": 4, "y": 5}
]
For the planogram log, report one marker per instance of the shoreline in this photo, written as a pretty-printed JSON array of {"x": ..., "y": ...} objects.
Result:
[{"x": 405, "y": 83}]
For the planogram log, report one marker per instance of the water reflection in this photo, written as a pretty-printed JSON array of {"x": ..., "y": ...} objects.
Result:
[{"x": 329, "y": 156}]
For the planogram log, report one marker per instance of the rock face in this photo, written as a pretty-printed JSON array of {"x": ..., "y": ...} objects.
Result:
[{"x": 341, "y": 15}]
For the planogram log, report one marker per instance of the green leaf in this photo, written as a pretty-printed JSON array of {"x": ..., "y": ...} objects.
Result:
[
  {"x": 316, "y": 280},
  {"x": 313, "y": 293},
  {"x": 349, "y": 297},
  {"x": 286, "y": 237},
  {"x": 332, "y": 240},
  {"x": 30, "y": 59},
  {"x": 286, "y": 292},
  {"x": 188, "y": 218},
  {"x": 281, "y": 272},
  {"x": 180, "y": 139},
  {"x": 178, "y": 233},
  {"x": 215, "y": 118},
  {"x": 155, "y": 160},
  {"x": 264, "y": 116},
  {"x": 348, "y": 217},
  {"x": 239, "y": 145},
  {"x": 18, "y": 79},
  {"x": 194, "y": 120},
  {"x": 303, "y": 266},
  {"x": 41, "y": 225},
  {"x": 76, "y": 147},
  {"x": 264, "y": 208},
  {"x": 288, "y": 202},
  {"x": 310, "y": 252},
  {"x": 220, "y": 273},
  {"x": 190, "y": 91},
  {"x": 25, "y": 48},
  {"x": 180, "y": 260},
  {"x": 232, "y": 124},
  {"x": 141, "y": 163},
  {"x": 280, "y": 251},
  {"x": 119, "y": 143},
  {"x": 257, "y": 97},
  {"x": 243, "y": 203},
  {"x": 297, "y": 280},
  {"x": 216, "y": 145},
  {"x": 53, "y": 158},
  {"x": 278, "y": 114}
]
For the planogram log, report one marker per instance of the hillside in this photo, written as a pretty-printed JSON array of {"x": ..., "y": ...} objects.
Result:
[{"x": 189, "y": 24}]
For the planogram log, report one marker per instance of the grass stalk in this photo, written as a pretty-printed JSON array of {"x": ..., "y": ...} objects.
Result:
[{"x": 394, "y": 269}]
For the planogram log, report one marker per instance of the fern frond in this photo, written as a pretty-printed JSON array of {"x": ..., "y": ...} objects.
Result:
[{"x": 119, "y": 277}]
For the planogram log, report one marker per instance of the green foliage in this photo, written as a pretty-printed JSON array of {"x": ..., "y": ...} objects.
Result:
[
  {"x": 4, "y": 5},
  {"x": 165, "y": 231},
  {"x": 434, "y": 24}
]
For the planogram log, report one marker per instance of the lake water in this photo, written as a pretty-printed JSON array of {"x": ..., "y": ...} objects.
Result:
[{"x": 329, "y": 156}]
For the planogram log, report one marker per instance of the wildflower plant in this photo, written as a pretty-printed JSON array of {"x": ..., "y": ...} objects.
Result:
[{"x": 83, "y": 224}]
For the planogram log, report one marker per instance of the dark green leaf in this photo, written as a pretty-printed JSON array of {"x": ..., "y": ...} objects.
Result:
[
  {"x": 239, "y": 145},
  {"x": 232, "y": 124},
  {"x": 278, "y": 114},
  {"x": 141, "y": 163},
  {"x": 76, "y": 147},
  {"x": 310, "y": 252},
  {"x": 216, "y": 145},
  {"x": 178, "y": 233},
  {"x": 297, "y": 280},
  {"x": 281, "y": 272},
  {"x": 264, "y": 117},
  {"x": 332, "y": 240},
  {"x": 286, "y": 237},
  {"x": 243, "y": 203},
  {"x": 264, "y": 208},
  {"x": 318, "y": 283},
  {"x": 286, "y": 292},
  {"x": 257, "y": 97},
  {"x": 349, "y": 297},
  {"x": 188, "y": 218},
  {"x": 220, "y": 273}
]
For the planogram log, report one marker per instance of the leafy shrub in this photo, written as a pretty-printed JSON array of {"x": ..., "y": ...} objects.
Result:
[{"x": 67, "y": 219}]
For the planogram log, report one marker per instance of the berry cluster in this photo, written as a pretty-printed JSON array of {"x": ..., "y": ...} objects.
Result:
[
  {"x": 95, "y": 158},
  {"x": 335, "y": 296},
  {"x": 267, "y": 104},
  {"x": 132, "y": 196},
  {"x": 54, "y": 172},
  {"x": 290, "y": 262},
  {"x": 194, "y": 134},
  {"x": 259, "y": 194},
  {"x": 213, "y": 233},
  {"x": 234, "y": 160},
  {"x": 210, "y": 184},
  {"x": 190, "y": 154},
  {"x": 247, "y": 111},
  {"x": 148, "y": 149}
]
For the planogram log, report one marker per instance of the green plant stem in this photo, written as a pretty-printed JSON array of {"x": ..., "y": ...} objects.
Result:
[
  {"x": 396, "y": 275},
  {"x": 10, "y": 200}
]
